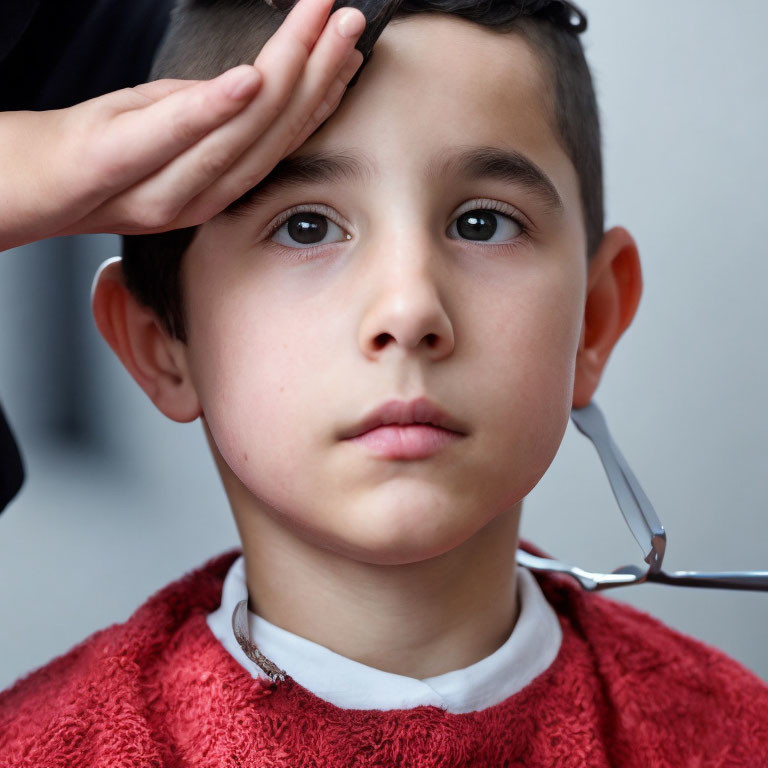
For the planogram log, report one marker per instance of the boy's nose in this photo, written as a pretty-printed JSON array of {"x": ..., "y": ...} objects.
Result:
[{"x": 405, "y": 308}]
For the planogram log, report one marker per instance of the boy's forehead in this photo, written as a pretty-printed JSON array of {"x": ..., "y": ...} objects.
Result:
[
  {"x": 447, "y": 76},
  {"x": 436, "y": 83},
  {"x": 441, "y": 98},
  {"x": 429, "y": 45}
]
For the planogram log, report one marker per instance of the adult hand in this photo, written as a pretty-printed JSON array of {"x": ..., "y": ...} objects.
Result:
[{"x": 174, "y": 153}]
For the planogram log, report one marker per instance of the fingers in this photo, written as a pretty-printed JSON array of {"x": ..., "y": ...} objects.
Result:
[
  {"x": 325, "y": 78},
  {"x": 329, "y": 103},
  {"x": 327, "y": 70},
  {"x": 209, "y": 146},
  {"x": 331, "y": 65},
  {"x": 218, "y": 169},
  {"x": 138, "y": 141},
  {"x": 283, "y": 56}
]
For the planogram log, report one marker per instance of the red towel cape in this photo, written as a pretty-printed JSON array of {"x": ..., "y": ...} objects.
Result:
[{"x": 160, "y": 690}]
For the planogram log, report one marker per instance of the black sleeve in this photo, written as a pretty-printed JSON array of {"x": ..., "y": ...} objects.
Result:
[{"x": 56, "y": 53}]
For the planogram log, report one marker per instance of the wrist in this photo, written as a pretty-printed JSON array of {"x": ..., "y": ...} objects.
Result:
[{"x": 40, "y": 183}]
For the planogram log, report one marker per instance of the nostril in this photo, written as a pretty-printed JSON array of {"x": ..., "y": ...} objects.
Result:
[{"x": 381, "y": 340}]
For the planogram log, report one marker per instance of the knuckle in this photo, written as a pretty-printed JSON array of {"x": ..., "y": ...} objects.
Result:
[
  {"x": 273, "y": 108},
  {"x": 214, "y": 163},
  {"x": 144, "y": 213},
  {"x": 338, "y": 86},
  {"x": 183, "y": 128},
  {"x": 111, "y": 166},
  {"x": 295, "y": 123},
  {"x": 245, "y": 182},
  {"x": 323, "y": 108},
  {"x": 306, "y": 44},
  {"x": 293, "y": 128}
]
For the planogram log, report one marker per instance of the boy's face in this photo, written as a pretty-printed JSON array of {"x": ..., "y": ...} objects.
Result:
[{"x": 291, "y": 342}]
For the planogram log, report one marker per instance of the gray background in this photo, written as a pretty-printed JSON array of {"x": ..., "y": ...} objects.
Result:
[{"x": 120, "y": 501}]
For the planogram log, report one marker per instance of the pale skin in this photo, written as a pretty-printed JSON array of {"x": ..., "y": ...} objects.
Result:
[
  {"x": 173, "y": 153},
  {"x": 407, "y": 566}
]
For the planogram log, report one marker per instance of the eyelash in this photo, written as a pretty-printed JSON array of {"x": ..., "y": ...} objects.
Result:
[{"x": 476, "y": 205}]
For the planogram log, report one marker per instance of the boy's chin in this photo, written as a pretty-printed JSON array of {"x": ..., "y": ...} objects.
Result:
[
  {"x": 394, "y": 535},
  {"x": 405, "y": 520}
]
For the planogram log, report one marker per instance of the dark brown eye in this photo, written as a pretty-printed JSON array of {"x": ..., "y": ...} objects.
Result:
[
  {"x": 476, "y": 225},
  {"x": 481, "y": 225},
  {"x": 307, "y": 228}
]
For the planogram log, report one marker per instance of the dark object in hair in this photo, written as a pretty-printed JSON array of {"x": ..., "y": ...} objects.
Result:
[
  {"x": 207, "y": 37},
  {"x": 377, "y": 15}
]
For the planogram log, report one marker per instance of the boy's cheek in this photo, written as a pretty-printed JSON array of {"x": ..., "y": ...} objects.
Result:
[{"x": 276, "y": 386}]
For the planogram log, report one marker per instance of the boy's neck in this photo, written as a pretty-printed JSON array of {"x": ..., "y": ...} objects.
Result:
[{"x": 419, "y": 620}]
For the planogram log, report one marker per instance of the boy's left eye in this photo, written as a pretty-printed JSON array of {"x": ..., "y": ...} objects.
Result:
[
  {"x": 301, "y": 228},
  {"x": 481, "y": 224}
]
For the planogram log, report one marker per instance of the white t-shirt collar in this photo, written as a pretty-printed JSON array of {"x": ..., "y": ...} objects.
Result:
[{"x": 530, "y": 649}]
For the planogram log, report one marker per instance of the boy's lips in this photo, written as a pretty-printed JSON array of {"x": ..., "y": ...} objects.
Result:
[
  {"x": 408, "y": 441},
  {"x": 420, "y": 411}
]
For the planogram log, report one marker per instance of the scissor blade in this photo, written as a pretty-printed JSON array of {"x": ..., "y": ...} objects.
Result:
[{"x": 755, "y": 581}]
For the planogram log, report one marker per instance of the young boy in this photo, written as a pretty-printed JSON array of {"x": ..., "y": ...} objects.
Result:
[{"x": 383, "y": 340}]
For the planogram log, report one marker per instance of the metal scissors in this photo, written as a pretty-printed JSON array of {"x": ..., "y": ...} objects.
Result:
[{"x": 642, "y": 520}]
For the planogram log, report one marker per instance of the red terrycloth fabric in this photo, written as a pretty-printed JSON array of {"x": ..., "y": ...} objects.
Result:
[{"x": 160, "y": 690}]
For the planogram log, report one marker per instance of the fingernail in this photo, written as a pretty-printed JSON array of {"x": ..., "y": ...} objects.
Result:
[
  {"x": 241, "y": 82},
  {"x": 351, "y": 23}
]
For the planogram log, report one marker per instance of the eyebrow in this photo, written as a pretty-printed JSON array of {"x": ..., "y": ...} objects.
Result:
[{"x": 470, "y": 162}]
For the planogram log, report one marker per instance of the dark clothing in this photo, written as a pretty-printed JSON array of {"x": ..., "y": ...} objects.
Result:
[
  {"x": 11, "y": 469},
  {"x": 56, "y": 53}
]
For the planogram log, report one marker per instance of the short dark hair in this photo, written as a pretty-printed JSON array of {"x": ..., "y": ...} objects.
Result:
[{"x": 207, "y": 37}]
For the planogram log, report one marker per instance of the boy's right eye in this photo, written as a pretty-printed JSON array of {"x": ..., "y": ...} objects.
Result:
[{"x": 307, "y": 226}]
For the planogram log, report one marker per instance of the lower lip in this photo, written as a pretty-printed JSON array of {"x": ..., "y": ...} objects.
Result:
[{"x": 412, "y": 441}]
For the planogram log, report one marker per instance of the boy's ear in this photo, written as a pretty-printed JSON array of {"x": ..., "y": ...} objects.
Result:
[
  {"x": 157, "y": 361},
  {"x": 614, "y": 287}
]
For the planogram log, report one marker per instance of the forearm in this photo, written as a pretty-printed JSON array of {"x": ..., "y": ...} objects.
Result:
[{"x": 34, "y": 202}]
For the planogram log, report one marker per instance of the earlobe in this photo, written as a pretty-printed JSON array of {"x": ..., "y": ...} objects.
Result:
[
  {"x": 136, "y": 335},
  {"x": 614, "y": 287}
]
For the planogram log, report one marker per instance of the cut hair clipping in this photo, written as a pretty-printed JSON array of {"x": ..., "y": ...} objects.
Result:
[
  {"x": 377, "y": 15},
  {"x": 243, "y": 637}
]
